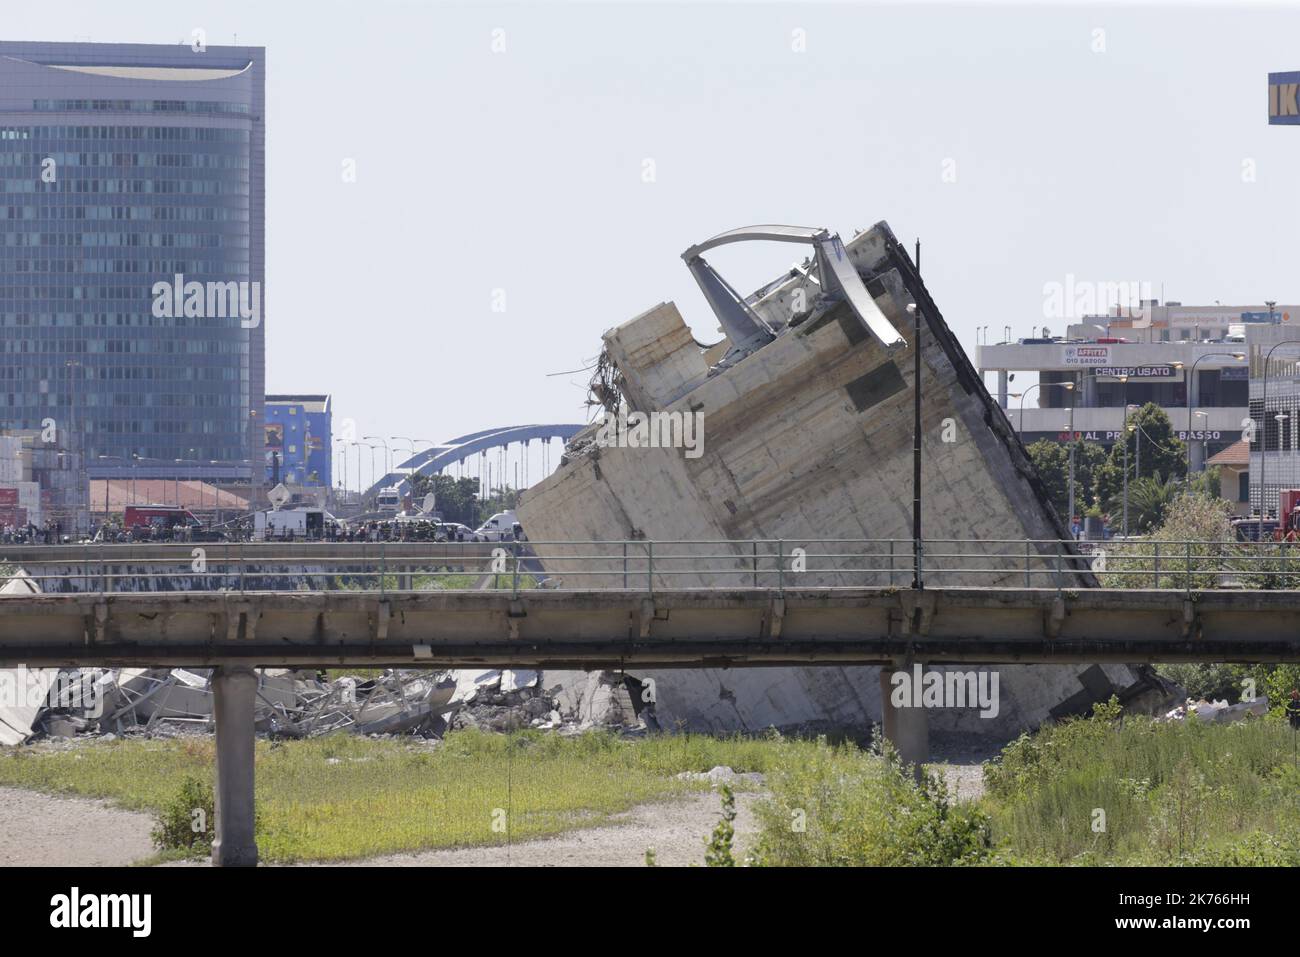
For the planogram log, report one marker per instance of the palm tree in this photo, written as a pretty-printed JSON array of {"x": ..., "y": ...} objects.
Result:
[{"x": 1149, "y": 499}]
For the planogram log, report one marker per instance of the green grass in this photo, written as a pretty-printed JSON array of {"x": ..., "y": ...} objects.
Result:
[
  {"x": 836, "y": 805},
  {"x": 345, "y": 797},
  {"x": 1186, "y": 794},
  {"x": 1182, "y": 794}
]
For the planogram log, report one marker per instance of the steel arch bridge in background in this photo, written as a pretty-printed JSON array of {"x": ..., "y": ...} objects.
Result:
[{"x": 437, "y": 458}]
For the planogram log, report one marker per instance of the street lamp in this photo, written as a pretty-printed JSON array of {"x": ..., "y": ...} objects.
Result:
[
  {"x": 343, "y": 449},
  {"x": 411, "y": 443},
  {"x": 1191, "y": 380},
  {"x": 918, "y": 582},
  {"x": 1136, "y": 429},
  {"x": 360, "y": 487},
  {"x": 1123, "y": 435},
  {"x": 1023, "y": 395},
  {"x": 388, "y": 460},
  {"x": 1281, "y": 419}
]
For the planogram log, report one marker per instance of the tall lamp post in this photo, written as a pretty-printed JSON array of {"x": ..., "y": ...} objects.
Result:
[
  {"x": 412, "y": 443},
  {"x": 918, "y": 582},
  {"x": 1123, "y": 437},
  {"x": 1263, "y": 442},
  {"x": 1191, "y": 381},
  {"x": 388, "y": 453},
  {"x": 1132, "y": 409},
  {"x": 1281, "y": 419},
  {"x": 361, "y": 487},
  {"x": 1205, "y": 443}
]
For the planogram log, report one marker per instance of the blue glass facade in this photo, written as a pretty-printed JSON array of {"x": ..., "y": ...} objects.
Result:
[
  {"x": 298, "y": 430},
  {"x": 122, "y": 167}
]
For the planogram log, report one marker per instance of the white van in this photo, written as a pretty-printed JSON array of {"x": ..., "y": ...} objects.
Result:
[
  {"x": 298, "y": 523},
  {"x": 501, "y": 527},
  {"x": 388, "y": 500}
]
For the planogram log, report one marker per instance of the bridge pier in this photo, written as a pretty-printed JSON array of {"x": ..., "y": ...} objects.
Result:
[
  {"x": 906, "y": 728},
  {"x": 234, "y": 688}
]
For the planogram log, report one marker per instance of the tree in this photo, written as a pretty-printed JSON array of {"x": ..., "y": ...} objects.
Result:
[
  {"x": 1208, "y": 483},
  {"x": 1089, "y": 457},
  {"x": 457, "y": 499},
  {"x": 1149, "y": 500},
  {"x": 1052, "y": 461},
  {"x": 1161, "y": 453}
]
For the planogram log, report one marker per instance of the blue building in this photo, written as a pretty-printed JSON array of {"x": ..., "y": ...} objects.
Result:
[
  {"x": 298, "y": 440},
  {"x": 131, "y": 249}
]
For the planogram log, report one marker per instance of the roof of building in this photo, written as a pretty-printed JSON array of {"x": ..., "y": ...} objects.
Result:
[
  {"x": 312, "y": 403},
  {"x": 191, "y": 495},
  {"x": 1238, "y": 453}
]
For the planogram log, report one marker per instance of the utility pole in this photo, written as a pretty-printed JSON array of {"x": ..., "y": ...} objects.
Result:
[
  {"x": 918, "y": 581},
  {"x": 1124, "y": 438}
]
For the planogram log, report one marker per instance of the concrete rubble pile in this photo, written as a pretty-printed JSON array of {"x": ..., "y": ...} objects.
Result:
[
  {"x": 1217, "y": 712},
  {"x": 65, "y": 703}
]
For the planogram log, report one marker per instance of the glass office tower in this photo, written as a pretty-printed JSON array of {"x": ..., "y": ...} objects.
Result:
[{"x": 123, "y": 166}]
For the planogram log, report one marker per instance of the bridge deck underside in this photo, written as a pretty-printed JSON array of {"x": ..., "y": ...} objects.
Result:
[{"x": 685, "y": 628}]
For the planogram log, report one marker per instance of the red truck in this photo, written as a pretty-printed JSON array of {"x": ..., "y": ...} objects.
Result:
[
  {"x": 1288, "y": 516},
  {"x": 158, "y": 516}
]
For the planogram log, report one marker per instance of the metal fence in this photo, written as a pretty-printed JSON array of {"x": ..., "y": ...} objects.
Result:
[{"x": 644, "y": 565}]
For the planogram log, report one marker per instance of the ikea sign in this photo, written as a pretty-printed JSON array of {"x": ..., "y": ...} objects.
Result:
[{"x": 1283, "y": 104}]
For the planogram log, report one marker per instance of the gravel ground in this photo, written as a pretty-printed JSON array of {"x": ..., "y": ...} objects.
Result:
[
  {"x": 676, "y": 829},
  {"x": 49, "y": 830},
  {"x": 960, "y": 758},
  {"x": 965, "y": 781}
]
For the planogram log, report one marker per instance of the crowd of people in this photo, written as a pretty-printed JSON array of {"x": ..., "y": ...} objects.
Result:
[
  {"x": 376, "y": 530},
  {"x": 48, "y": 533},
  {"x": 420, "y": 530}
]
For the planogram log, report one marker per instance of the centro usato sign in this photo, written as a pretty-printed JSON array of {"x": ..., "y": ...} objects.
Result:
[{"x": 1136, "y": 372}]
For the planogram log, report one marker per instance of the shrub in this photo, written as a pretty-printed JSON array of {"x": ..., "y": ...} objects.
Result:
[
  {"x": 842, "y": 806},
  {"x": 186, "y": 821}
]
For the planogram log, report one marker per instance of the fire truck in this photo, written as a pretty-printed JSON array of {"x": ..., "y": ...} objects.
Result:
[
  {"x": 160, "y": 521},
  {"x": 1288, "y": 516},
  {"x": 1284, "y": 528}
]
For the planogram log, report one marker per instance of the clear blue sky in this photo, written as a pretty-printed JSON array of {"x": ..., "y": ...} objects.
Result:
[{"x": 522, "y": 170}]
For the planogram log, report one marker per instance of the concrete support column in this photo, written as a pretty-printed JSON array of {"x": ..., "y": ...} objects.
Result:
[
  {"x": 1002, "y": 388},
  {"x": 234, "y": 688},
  {"x": 906, "y": 728}
]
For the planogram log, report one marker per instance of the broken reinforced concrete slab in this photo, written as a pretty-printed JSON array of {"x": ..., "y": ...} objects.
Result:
[{"x": 810, "y": 436}]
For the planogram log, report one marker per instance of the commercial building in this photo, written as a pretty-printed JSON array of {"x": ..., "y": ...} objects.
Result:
[
  {"x": 1162, "y": 353},
  {"x": 298, "y": 451},
  {"x": 131, "y": 250},
  {"x": 1275, "y": 410},
  {"x": 40, "y": 482}
]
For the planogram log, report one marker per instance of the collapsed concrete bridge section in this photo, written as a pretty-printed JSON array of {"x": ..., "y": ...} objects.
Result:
[{"x": 805, "y": 432}]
